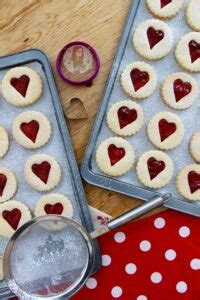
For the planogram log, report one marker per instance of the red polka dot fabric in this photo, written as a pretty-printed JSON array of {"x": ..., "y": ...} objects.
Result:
[{"x": 157, "y": 258}]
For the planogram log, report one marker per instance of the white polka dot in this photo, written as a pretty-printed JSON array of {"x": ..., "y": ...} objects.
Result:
[
  {"x": 142, "y": 297},
  {"x": 116, "y": 292},
  {"x": 156, "y": 277},
  {"x": 159, "y": 223},
  {"x": 91, "y": 283},
  {"x": 130, "y": 268},
  {"x": 181, "y": 287},
  {"x": 145, "y": 246},
  {"x": 170, "y": 254},
  {"x": 195, "y": 264},
  {"x": 106, "y": 260},
  {"x": 184, "y": 231},
  {"x": 119, "y": 237}
]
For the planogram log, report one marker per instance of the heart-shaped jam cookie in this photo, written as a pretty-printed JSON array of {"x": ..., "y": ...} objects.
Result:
[
  {"x": 30, "y": 129},
  {"x": 181, "y": 89},
  {"x": 194, "y": 181},
  {"x": 164, "y": 3},
  {"x": 154, "y": 36},
  {"x": 126, "y": 116},
  {"x": 56, "y": 209},
  {"x": 166, "y": 129},
  {"x": 21, "y": 84},
  {"x": 115, "y": 154},
  {"x": 139, "y": 78},
  {"x": 194, "y": 48},
  {"x": 42, "y": 170},
  {"x": 155, "y": 167},
  {"x": 3, "y": 181},
  {"x": 12, "y": 217}
]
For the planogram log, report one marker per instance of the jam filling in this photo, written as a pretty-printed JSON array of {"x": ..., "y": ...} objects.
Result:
[
  {"x": 139, "y": 78},
  {"x": 163, "y": 3},
  {"x": 12, "y": 217},
  {"x": 56, "y": 209},
  {"x": 154, "y": 36},
  {"x": 155, "y": 167},
  {"x": 115, "y": 154},
  {"x": 30, "y": 129},
  {"x": 194, "y": 48},
  {"x": 21, "y": 84},
  {"x": 194, "y": 181},
  {"x": 181, "y": 89},
  {"x": 126, "y": 116},
  {"x": 3, "y": 181},
  {"x": 166, "y": 129},
  {"x": 42, "y": 170}
]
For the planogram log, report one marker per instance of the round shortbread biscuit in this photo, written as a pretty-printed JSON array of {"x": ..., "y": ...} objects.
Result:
[
  {"x": 179, "y": 90},
  {"x": 1, "y": 268},
  {"x": 187, "y": 52},
  {"x": 192, "y": 14},
  {"x": 194, "y": 146},
  {"x": 42, "y": 172},
  {"x": 31, "y": 129},
  {"x": 115, "y": 156},
  {"x": 139, "y": 80},
  {"x": 4, "y": 142},
  {"x": 8, "y": 184},
  {"x": 152, "y": 39},
  {"x": 164, "y": 9},
  {"x": 188, "y": 182},
  {"x": 154, "y": 169},
  {"x": 21, "y": 86},
  {"x": 13, "y": 214},
  {"x": 165, "y": 130},
  {"x": 125, "y": 118}
]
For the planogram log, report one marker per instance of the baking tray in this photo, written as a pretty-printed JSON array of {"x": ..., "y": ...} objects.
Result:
[
  {"x": 59, "y": 145},
  {"x": 128, "y": 184}
]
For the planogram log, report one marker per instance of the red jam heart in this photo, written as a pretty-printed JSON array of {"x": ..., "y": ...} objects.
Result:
[
  {"x": 115, "y": 154},
  {"x": 42, "y": 170},
  {"x": 194, "y": 48},
  {"x": 3, "y": 181},
  {"x": 194, "y": 181},
  {"x": 139, "y": 78},
  {"x": 154, "y": 36},
  {"x": 30, "y": 129},
  {"x": 21, "y": 84},
  {"x": 155, "y": 167},
  {"x": 166, "y": 129},
  {"x": 181, "y": 89},
  {"x": 126, "y": 116},
  {"x": 56, "y": 209},
  {"x": 163, "y": 3},
  {"x": 12, "y": 217}
]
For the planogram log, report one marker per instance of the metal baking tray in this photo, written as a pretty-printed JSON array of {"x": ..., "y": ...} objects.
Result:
[
  {"x": 128, "y": 184},
  {"x": 71, "y": 181}
]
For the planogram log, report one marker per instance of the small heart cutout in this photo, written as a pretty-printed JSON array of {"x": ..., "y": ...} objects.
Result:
[
  {"x": 194, "y": 48},
  {"x": 3, "y": 181},
  {"x": 139, "y": 78},
  {"x": 181, "y": 89},
  {"x": 115, "y": 154},
  {"x": 42, "y": 170},
  {"x": 154, "y": 36},
  {"x": 21, "y": 84},
  {"x": 56, "y": 209},
  {"x": 163, "y": 3},
  {"x": 166, "y": 129},
  {"x": 126, "y": 116},
  {"x": 12, "y": 217},
  {"x": 30, "y": 129},
  {"x": 76, "y": 110},
  {"x": 194, "y": 181},
  {"x": 155, "y": 167}
]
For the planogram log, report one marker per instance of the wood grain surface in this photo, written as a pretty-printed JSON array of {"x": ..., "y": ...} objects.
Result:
[{"x": 49, "y": 25}]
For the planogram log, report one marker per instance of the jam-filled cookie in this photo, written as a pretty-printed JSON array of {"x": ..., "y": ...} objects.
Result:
[
  {"x": 125, "y": 117},
  {"x": 154, "y": 169},
  {"x": 4, "y": 142},
  {"x": 139, "y": 80},
  {"x": 192, "y": 14},
  {"x": 188, "y": 182},
  {"x": 13, "y": 214},
  {"x": 21, "y": 86},
  {"x": 42, "y": 172},
  {"x": 188, "y": 52},
  {"x": 152, "y": 39},
  {"x": 165, "y": 130},
  {"x": 31, "y": 129},
  {"x": 115, "y": 156},
  {"x": 179, "y": 90},
  {"x": 8, "y": 184},
  {"x": 54, "y": 204},
  {"x": 194, "y": 146},
  {"x": 164, "y": 9}
]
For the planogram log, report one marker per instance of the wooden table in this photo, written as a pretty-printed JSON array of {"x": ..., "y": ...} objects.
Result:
[{"x": 49, "y": 25}]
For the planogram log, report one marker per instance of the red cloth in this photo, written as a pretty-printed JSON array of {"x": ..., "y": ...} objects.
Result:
[{"x": 157, "y": 258}]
